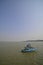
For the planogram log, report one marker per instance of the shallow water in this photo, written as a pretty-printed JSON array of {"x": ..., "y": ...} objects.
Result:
[{"x": 10, "y": 54}]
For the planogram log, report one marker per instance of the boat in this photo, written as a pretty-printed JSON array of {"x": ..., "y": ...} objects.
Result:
[{"x": 28, "y": 48}]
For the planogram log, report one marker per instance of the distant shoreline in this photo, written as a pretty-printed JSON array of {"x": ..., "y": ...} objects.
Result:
[
  {"x": 33, "y": 41},
  {"x": 25, "y": 41}
]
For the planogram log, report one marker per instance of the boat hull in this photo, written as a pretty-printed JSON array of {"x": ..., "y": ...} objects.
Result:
[{"x": 29, "y": 50}]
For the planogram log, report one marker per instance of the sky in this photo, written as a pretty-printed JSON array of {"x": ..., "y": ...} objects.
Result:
[{"x": 21, "y": 20}]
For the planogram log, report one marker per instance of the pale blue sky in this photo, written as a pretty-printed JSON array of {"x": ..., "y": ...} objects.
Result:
[{"x": 21, "y": 20}]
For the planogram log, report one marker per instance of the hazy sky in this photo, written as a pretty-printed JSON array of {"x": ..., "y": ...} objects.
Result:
[{"x": 21, "y": 20}]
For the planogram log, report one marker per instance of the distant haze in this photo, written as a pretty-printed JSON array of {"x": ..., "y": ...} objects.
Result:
[{"x": 21, "y": 20}]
